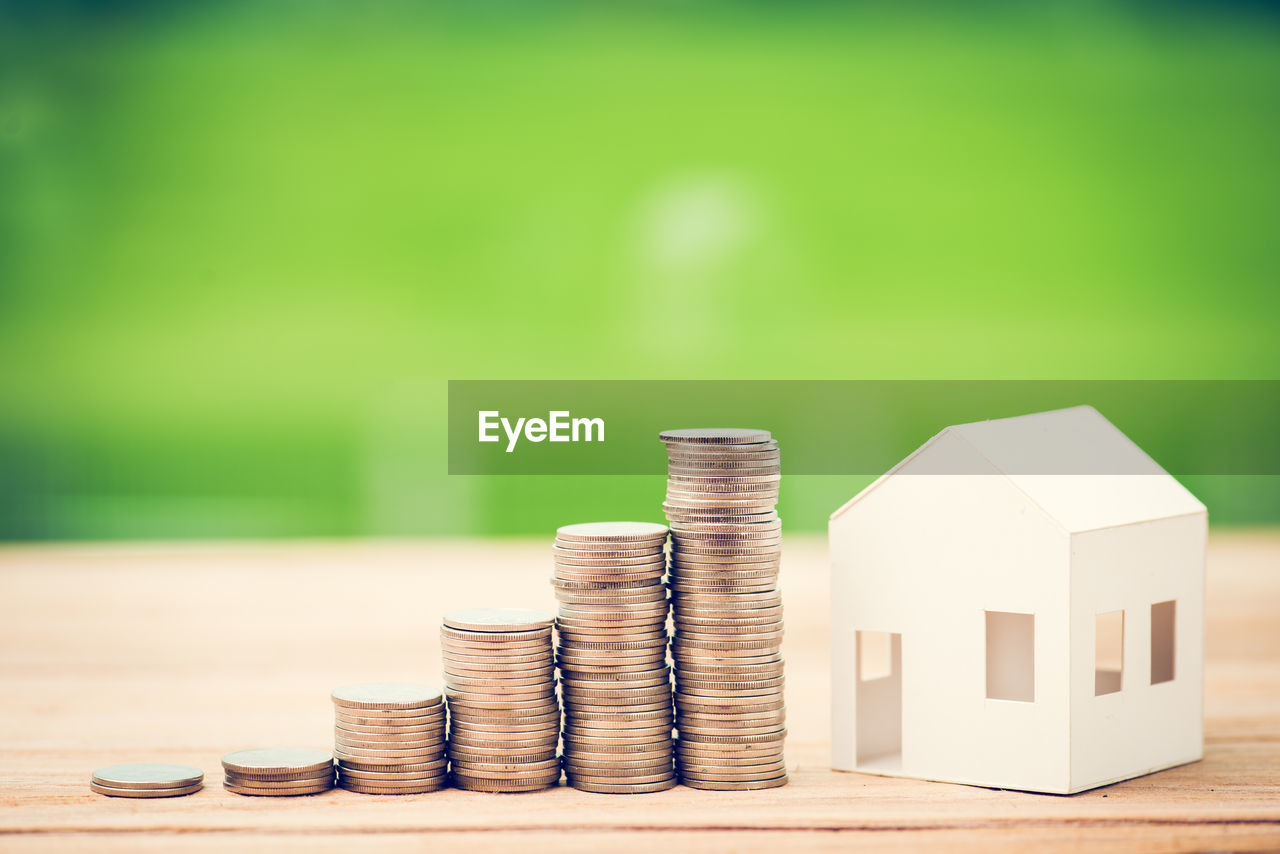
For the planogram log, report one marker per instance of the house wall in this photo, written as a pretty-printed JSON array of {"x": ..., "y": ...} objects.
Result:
[
  {"x": 926, "y": 556},
  {"x": 1142, "y": 727}
]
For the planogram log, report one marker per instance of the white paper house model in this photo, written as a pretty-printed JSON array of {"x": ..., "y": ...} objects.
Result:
[{"x": 1019, "y": 604}]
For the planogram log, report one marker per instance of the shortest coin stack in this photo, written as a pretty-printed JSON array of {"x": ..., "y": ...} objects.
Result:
[
  {"x": 390, "y": 738},
  {"x": 146, "y": 780},
  {"x": 278, "y": 771}
]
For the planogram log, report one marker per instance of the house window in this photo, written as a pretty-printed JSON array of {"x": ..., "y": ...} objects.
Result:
[
  {"x": 1162, "y": 641},
  {"x": 1011, "y": 660},
  {"x": 1108, "y": 652},
  {"x": 875, "y": 655}
]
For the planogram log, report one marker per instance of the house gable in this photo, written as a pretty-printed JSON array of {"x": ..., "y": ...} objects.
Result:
[{"x": 1072, "y": 463}]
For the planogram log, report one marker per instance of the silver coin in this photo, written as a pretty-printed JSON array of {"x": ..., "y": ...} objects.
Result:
[
  {"x": 588, "y": 705},
  {"x": 647, "y": 694},
  {"x": 723, "y": 467},
  {"x": 570, "y": 558},
  {"x": 387, "y": 695},
  {"x": 581, "y": 777},
  {"x": 471, "y": 657},
  {"x": 703, "y": 678},
  {"x": 693, "y": 454},
  {"x": 276, "y": 793},
  {"x": 628, "y": 655},
  {"x": 645, "y": 641},
  {"x": 494, "y": 642},
  {"x": 692, "y": 731},
  {"x": 607, "y": 588},
  {"x": 745, "y": 504},
  {"x": 622, "y": 718},
  {"x": 403, "y": 747},
  {"x": 393, "y": 766},
  {"x": 712, "y": 581},
  {"x": 698, "y": 567},
  {"x": 571, "y": 668},
  {"x": 653, "y": 609},
  {"x": 610, "y": 633},
  {"x": 615, "y": 679},
  {"x": 776, "y": 737},
  {"x": 605, "y": 750},
  {"x": 727, "y": 601},
  {"x": 601, "y": 559},
  {"x": 741, "y": 587},
  {"x": 600, "y": 744},
  {"x": 138, "y": 792},
  {"x": 526, "y": 706},
  {"x": 375, "y": 725},
  {"x": 595, "y": 764},
  {"x": 410, "y": 736},
  {"x": 409, "y": 789},
  {"x": 481, "y": 738},
  {"x": 422, "y": 754},
  {"x": 602, "y": 710},
  {"x": 436, "y": 770},
  {"x": 498, "y": 619},
  {"x": 595, "y": 532},
  {"x": 465, "y": 760},
  {"x": 717, "y": 512},
  {"x": 730, "y": 533},
  {"x": 685, "y": 642},
  {"x": 732, "y": 679},
  {"x": 624, "y": 788},
  {"x": 724, "y": 563},
  {"x": 147, "y": 775},
  {"x": 728, "y": 625},
  {"x": 650, "y": 577},
  {"x": 609, "y": 548},
  {"x": 716, "y": 435},
  {"x": 367, "y": 730},
  {"x": 723, "y": 708},
  {"x": 735, "y": 786},
  {"x": 253, "y": 782},
  {"x": 741, "y": 724},
  {"x": 758, "y": 550},
  {"x": 472, "y": 691},
  {"x": 735, "y": 773},
  {"x": 515, "y": 681},
  {"x": 723, "y": 762},
  {"x": 495, "y": 656},
  {"x": 257, "y": 761},
  {"x": 477, "y": 784},
  {"x": 715, "y": 488},
  {"x": 518, "y": 716},
  {"x": 654, "y": 597},
  {"x": 702, "y": 450}
]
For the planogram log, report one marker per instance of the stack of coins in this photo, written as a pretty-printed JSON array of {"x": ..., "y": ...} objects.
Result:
[
  {"x": 146, "y": 780},
  {"x": 612, "y": 653},
  {"x": 389, "y": 738},
  {"x": 504, "y": 718},
  {"x": 726, "y": 540},
  {"x": 278, "y": 771}
]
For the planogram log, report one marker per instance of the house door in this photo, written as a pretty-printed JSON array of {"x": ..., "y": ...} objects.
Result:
[{"x": 878, "y": 699}]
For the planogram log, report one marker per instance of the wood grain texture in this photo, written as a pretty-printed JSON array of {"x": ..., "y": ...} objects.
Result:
[{"x": 180, "y": 653}]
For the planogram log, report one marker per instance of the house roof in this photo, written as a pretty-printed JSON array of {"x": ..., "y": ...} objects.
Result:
[{"x": 1073, "y": 463}]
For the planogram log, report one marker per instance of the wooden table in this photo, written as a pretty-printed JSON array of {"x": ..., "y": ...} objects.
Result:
[{"x": 183, "y": 652}]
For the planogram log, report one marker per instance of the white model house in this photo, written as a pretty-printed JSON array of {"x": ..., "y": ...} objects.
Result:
[{"x": 1019, "y": 604}]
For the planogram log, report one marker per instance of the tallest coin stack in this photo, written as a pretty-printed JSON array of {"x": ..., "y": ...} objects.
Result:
[{"x": 726, "y": 541}]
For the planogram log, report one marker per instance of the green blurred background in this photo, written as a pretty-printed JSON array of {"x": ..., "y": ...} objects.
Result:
[{"x": 244, "y": 245}]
